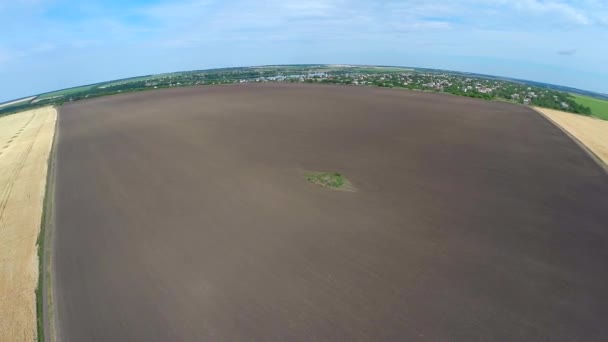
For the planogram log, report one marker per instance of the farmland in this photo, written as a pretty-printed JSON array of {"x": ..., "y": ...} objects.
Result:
[
  {"x": 428, "y": 80},
  {"x": 599, "y": 107},
  {"x": 590, "y": 131},
  {"x": 17, "y": 102},
  {"x": 65, "y": 92},
  {"x": 209, "y": 213},
  {"x": 25, "y": 142}
]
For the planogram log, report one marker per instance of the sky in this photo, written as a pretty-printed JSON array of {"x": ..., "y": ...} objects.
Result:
[{"x": 47, "y": 45}]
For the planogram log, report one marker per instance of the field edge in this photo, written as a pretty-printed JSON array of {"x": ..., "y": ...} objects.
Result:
[
  {"x": 596, "y": 158},
  {"x": 44, "y": 290}
]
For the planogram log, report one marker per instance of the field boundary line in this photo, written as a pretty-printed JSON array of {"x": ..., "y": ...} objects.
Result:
[
  {"x": 603, "y": 165},
  {"x": 44, "y": 293}
]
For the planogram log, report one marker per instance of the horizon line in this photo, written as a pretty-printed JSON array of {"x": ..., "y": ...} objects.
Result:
[{"x": 507, "y": 78}]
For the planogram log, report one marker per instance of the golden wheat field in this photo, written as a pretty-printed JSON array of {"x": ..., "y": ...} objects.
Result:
[{"x": 25, "y": 143}]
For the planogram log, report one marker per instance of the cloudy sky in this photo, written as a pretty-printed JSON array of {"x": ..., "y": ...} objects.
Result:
[{"x": 51, "y": 44}]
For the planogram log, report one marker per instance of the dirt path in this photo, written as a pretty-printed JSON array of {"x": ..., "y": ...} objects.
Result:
[
  {"x": 590, "y": 131},
  {"x": 25, "y": 142}
]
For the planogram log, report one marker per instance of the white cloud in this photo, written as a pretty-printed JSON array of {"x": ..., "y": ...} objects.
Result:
[
  {"x": 219, "y": 32},
  {"x": 563, "y": 10},
  {"x": 191, "y": 23},
  {"x": 172, "y": 11},
  {"x": 10, "y": 54},
  {"x": 309, "y": 7}
]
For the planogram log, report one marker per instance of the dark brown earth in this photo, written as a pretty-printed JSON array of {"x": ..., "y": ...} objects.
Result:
[{"x": 183, "y": 215}]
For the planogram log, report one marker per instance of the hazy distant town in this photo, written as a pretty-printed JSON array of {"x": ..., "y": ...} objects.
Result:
[{"x": 470, "y": 85}]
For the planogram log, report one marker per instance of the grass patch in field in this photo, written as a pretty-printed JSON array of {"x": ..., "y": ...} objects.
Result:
[
  {"x": 599, "y": 107},
  {"x": 333, "y": 180}
]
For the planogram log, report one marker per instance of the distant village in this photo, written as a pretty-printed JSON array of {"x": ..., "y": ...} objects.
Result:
[
  {"x": 441, "y": 82},
  {"x": 392, "y": 77}
]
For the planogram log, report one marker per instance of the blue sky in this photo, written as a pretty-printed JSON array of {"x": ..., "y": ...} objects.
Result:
[{"x": 51, "y": 44}]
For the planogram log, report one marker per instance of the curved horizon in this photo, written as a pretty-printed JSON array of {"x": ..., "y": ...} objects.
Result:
[
  {"x": 61, "y": 44},
  {"x": 574, "y": 89}
]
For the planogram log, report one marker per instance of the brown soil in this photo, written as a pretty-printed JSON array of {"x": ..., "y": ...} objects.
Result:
[{"x": 182, "y": 215}]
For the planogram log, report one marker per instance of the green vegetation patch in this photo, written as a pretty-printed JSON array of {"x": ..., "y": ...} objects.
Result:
[
  {"x": 332, "y": 180},
  {"x": 598, "y": 107},
  {"x": 65, "y": 92}
]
